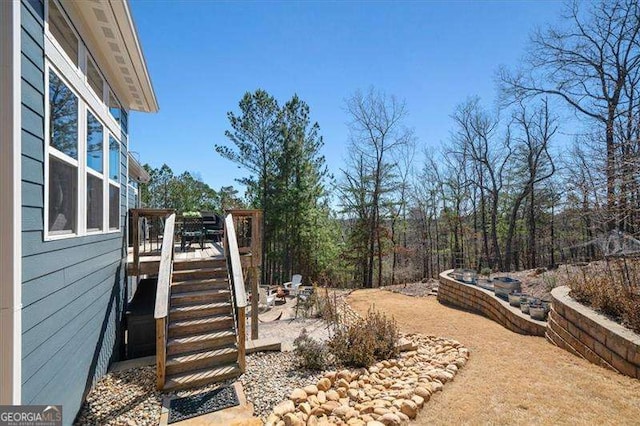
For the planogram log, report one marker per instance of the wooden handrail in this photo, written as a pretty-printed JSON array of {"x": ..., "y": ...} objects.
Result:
[
  {"x": 237, "y": 283},
  {"x": 250, "y": 247},
  {"x": 231, "y": 246},
  {"x": 162, "y": 298}
]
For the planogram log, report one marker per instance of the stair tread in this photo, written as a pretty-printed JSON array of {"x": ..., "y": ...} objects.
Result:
[
  {"x": 209, "y": 319},
  {"x": 200, "y": 337},
  {"x": 196, "y": 293},
  {"x": 201, "y": 281},
  {"x": 198, "y": 307},
  {"x": 203, "y": 374},
  {"x": 199, "y": 355},
  {"x": 189, "y": 271}
]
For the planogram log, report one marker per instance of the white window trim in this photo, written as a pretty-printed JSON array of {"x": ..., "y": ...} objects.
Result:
[
  {"x": 81, "y": 166},
  {"x": 11, "y": 199}
]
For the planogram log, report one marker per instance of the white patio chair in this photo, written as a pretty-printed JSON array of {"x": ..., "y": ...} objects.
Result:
[
  {"x": 292, "y": 286},
  {"x": 266, "y": 299}
]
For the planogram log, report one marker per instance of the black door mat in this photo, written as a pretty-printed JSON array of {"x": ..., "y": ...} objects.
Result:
[{"x": 203, "y": 403}]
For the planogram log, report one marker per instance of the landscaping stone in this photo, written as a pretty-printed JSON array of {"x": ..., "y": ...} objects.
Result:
[
  {"x": 390, "y": 392},
  {"x": 324, "y": 384}
]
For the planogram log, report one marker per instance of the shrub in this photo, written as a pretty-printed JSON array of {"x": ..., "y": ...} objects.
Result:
[
  {"x": 362, "y": 342},
  {"x": 612, "y": 289},
  {"x": 485, "y": 271},
  {"x": 311, "y": 353}
]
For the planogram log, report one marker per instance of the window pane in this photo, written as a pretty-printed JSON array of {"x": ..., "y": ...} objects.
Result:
[
  {"x": 94, "y": 143},
  {"x": 63, "y": 34},
  {"x": 63, "y": 196},
  {"x": 114, "y": 107},
  {"x": 114, "y": 207},
  {"x": 63, "y": 117},
  {"x": 94, "y": 203},
  {"x": 95, "y": 80},
  {"x": 124, "y": 120},
  {"x": 114, "y": 158}
]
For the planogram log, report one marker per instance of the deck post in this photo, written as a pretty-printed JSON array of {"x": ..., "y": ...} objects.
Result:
[
  {"x": 242, "y": 337},
  {"x": 161, "y": 355},
  {"x": 136, "y": 241}
]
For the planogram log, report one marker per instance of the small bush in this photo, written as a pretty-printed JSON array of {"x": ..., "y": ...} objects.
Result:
[
  {"x": 485, "y": 271},
  {"x": 366, "y": 340},
  {"x": 311, "y": 353},
  {"x": 613, "y": 289}
]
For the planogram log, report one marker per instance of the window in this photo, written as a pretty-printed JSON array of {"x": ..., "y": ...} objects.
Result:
[
  {"x": 114, "y": 186},
  {"x": 95, "y": 167},
  {"x": 114, "y": 107},
  {"x": 94, "y": 203},
  {"x": 114, "y": 206},
  {"x": 114, "y": 158},
  {"x": 63, "y": 197},
  {"x": 63, "y": 155},
  {"x": 63, "y": 117},
  {"x": 78, "y": 206},
  {"x": 63, "y": 33},
  {"x": 95, "y": 79},
  {"x": 95, "y": 134}
]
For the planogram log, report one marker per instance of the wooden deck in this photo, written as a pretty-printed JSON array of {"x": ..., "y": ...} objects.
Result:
[{"x": 150, "y": 260}]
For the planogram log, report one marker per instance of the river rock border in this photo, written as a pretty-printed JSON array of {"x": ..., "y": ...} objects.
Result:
[
  {"x": 388, "y": 393},
  {"x": 592, "y": 336},
  {"x": 484, "y": 302}
]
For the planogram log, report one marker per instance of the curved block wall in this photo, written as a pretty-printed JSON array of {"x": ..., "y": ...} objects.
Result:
[
  {"x": 484, "y": 302},
  {"x": 592, "y": 336}
]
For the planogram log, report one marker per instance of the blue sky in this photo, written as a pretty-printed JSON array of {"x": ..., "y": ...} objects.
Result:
[{"x": 204, "y": 55}]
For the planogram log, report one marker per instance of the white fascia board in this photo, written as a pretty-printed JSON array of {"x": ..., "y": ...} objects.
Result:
[
  {"x": 137, "y": 171},
  {"x": 107, "y": 27},
  {"x": 11, "y": 200}
]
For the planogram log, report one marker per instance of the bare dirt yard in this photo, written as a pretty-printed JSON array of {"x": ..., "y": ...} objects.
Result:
[{"x": 510, "y": 378}]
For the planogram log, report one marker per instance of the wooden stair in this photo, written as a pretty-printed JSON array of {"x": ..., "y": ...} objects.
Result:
[{"x": 202, "y": 337}]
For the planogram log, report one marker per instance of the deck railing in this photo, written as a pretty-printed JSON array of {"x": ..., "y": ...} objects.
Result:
[
  {"x": 147, "y": 233},
  {"x": 237, "y": 284},
  {"x": 248, "y": 227},
  {"x": 163, "y": 294}
]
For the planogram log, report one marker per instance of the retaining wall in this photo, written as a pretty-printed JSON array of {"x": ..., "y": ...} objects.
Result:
[
  {"x": 484, "y": 302},
  {"x": 592, "y": 336}
]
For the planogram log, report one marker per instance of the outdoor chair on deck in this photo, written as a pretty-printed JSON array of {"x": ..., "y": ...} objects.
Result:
[
  {"x": 213, "y": 226},
  {"x": 192, "y": 230},
  {"x": 292, "y": 286}
]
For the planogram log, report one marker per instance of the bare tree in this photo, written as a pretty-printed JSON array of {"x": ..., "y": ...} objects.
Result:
[
  {"x": 532, "y": 165},
  {"x": 476, "y": 138},
  {"x": 376, "y": 130},
  {"x": 586, "y": 64}
]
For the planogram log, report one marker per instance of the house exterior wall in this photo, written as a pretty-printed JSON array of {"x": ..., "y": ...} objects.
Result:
[{"x": 73, "y": 290}]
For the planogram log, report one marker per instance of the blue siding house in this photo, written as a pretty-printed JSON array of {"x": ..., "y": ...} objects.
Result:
[{"x": 70, "y": 73}]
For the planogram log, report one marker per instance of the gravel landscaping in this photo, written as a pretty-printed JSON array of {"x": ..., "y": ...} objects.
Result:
[{"x": 129, "y": 397}]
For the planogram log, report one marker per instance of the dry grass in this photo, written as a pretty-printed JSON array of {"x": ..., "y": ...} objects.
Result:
[{"x": 509, "y": 379}]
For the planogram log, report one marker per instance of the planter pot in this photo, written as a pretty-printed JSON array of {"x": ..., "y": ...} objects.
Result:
[
  {"x": 515, "y": 298},
  {"x": 524, "y": 306},
  {"x": 538, "y": 312},
  {"x": 503, "y": 286},
  {"x": 468, "y": 276}
]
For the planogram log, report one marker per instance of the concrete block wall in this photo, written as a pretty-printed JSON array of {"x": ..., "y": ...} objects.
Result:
[
  {"x": 484, "y": 302},
  {"x": 592, "y": 336}
]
